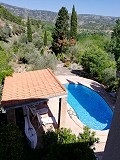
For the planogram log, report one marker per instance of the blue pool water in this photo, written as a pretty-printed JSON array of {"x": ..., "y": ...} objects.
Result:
[{"x": 90, "y": 107}]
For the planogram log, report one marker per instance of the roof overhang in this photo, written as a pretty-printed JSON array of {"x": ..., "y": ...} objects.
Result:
[{"x": 31, "y": 88}]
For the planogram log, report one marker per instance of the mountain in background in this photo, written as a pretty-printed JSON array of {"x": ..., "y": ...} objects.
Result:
[{"x": 85, "y": 21}]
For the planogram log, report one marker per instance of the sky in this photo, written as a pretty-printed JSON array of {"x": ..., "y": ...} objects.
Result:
[{"x": 98, "y": 7}]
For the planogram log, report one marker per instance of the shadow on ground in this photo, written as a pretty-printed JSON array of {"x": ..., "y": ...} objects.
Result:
[
  {"x": 80, "y": 73},
  {"x": 99, "y": 155}
]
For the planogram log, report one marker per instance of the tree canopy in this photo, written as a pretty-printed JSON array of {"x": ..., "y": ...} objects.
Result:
[
  {"x": 45, "y": 38},
  {"x": 29, "y": 31},
  {"x": 60, "y": 33},
  {"x": 5, "y": 68},
  {"x": 62, "y": 144},
  {"x": 73, "y": 27},
  {"x": 114, "y": 47}
]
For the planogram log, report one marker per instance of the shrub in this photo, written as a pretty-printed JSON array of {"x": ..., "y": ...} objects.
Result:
[
  {"x": 95, "y": 60},
  {"x": 49, "y": 139},
  {"x": 5, "y": 69},
  {"x": 45, "y": 61},
  {"x": 114, "y": 85},
  {"x": 65, "y": 136},
  {"x": 88, "y": 137},
  {"x": 118, "y": 64},
  {"x": 11, "y": 143},
  {"x": 62, "y": 58},
  {"x": 23, "y": 38},
  {"x": 5, "y": 73},
  {"x": 5, "y": 32},
  {"x": 24, "y": 51},
  {"x": 109, "y": 75},
  {"x": 58, "y": 56},
  {"x": 67, "y": 64},
  {"x": 38, "y": 43},
  {"x": 62, "y": 144}
]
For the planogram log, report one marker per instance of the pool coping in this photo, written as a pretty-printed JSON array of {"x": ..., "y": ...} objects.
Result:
[
  {"x": 102, "y": 135},
  {"x": 109, "y": 99},
  {"x": 99, "y": 95}
]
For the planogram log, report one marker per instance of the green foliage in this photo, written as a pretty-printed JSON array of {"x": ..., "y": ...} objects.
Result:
[
  {"x": 4, "y": 13},
  {"x": 42, "y": 52},
  {"x": 45, "y": 38},
  {"x": 24, "y": 51},
  {"x": 38, "y": 42},
  {"x": 29, "y": 31},
  {"x": 5, "y": 32},
  {"x": 75, "y": 53},
  {"x": 92, "y": 54},
  {"x": 65, "y": 136},
  {"x": 73, "y": 29},
  {"x": 62, "y": 58},
  {"x": 45, "y": 61},
  {"x": 114, "y": 46},
  {"x": 96, "y": 39},
  {"x": 48, "y": 26},
  {"x": 17, "y": 29},
  {"x": 95, "y": 61},
  {"x": 23, "y": 38},
  {"x": 11, "y": 143},
  {"x": 49, "y": 139},
  {"x": 35, "y": 57},
  {"x": 58, "y": 56},
  {"x": 113, "y": 85},
  {"x": 118, "y": 63},
  {"x": 62, "y": 144},
  {"x": 109, "y": 75},
  {"x": 60, "y": 32},
  {"x": 5, "y": 69},
  {"x": 1, "y": 87},
  {"x": 15, "y": 46},
  {"x": 35, "y": 22},
  {"x": 88, "y": 137},
  {"x": 67, "y": 64}
]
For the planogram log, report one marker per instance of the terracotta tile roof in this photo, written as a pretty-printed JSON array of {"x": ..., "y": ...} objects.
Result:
[{"x": 30, "y": 86}]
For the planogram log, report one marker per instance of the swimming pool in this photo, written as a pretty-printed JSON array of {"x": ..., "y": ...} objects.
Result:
[{"x": 90, "y": 107}]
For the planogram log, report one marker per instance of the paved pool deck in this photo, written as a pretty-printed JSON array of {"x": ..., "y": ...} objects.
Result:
[{"x": 74, "y": 123}]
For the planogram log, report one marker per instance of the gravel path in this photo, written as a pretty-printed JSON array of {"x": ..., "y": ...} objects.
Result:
[{"x": 61, "y": 70}]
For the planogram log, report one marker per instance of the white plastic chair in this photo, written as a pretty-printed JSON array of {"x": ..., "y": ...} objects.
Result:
[
  {"x": 39, "y": 111},
  {"x": 45, "y": 120}
]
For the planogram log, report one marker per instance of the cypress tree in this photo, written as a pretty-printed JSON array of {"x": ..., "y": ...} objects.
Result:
[
  {"x": 73, "y": 26},
  {"x": 29, "y": 31},
  {"x": 114, "y": 46},
  {"x": 60, "y": 33},
  {"x": 45, "y": 38}
]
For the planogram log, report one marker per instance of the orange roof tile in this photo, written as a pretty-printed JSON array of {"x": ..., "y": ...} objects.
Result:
[{"x": 30, "y": 87}]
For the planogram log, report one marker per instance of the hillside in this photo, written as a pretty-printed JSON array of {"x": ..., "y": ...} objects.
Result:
[
  {"x": 85, "y": 21},
  {"x": 4, "y": 13}
]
